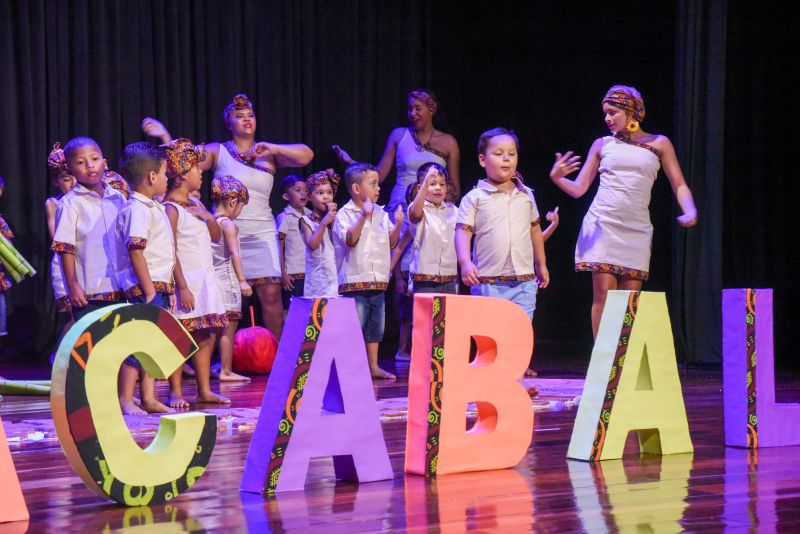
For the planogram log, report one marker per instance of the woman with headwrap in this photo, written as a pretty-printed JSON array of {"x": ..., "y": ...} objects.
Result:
[
  {"x": 616, "y": 236},
  {"x": 409, "y": 147},
  {"x": 254, "y": 164}
]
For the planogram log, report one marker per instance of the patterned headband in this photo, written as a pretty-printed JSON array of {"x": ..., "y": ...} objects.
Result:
[
  {"x": 425, "y": 98},
  {"x": 223, "y": 187},
  {"x": 627, "y": 99},
  {"x": 240, "y": 101},
  {"x": 56, "y": 161},
  {"x": 328, "y": 176},
  {"x": 117, "y": 182},
  {"x": 182, "y": 155}
]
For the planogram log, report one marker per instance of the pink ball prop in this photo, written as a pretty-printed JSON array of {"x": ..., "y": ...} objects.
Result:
[{"x": 254, "y": 350}]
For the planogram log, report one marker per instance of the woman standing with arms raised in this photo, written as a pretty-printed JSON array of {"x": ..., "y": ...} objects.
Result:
[
  {"x": 616, "y": 235},
  {"x": 254, "y": 164}
]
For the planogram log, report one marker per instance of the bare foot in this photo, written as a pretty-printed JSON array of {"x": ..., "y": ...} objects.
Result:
[
  {"x": 530, "y": 373},
  {"x": 154, "y": 406},
  {"x": 212, "y": 397},
  {"x": 187, "y": 370},
  {"x": 380, "y": 373},
  {"x": 130, "y": 408},
  {"x": 230, "y": 376},
  {"x": 177, "y": 402}
]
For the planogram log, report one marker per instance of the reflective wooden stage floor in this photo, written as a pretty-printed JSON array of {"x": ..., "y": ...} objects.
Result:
[{"x": 715, "y": 489}]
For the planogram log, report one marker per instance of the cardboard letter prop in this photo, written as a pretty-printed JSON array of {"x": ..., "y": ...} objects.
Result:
[
  {"x": 752, "y": 417},
  {"x": 632, "y": 383},
  {"x": 322, "y": 361},
  {"x": 12, "y": 505},
  {"x": 442, "y": 382},
  {"x": 88, "y": 418}
]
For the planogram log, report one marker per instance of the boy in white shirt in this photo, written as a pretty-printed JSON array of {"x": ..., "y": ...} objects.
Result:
[
  {"x": 292, "y": 247},
  {"x": 85, "y": 228},
  {"x": 144, "y": 229},
  {"x": 363, "y": 237},
  {"x": 509, "y": 259}
]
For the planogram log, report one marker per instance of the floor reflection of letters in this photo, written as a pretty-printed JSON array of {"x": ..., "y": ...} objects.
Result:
[
  {"x": 646, "y": 493},
  {"x": 166, "y": 518},
  {"x": 486, "y": 501}
]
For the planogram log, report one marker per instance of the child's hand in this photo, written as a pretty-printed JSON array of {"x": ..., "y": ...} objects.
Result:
[
  {"x": 287, "y": 281},
  {"x": 552, "y": 216},
  {"x": 330, "y": 217},
  {"x": 542, "y": 276},
  {"x": 187, "y": 299},
  {"x": 172, "y": 300},
  {"x": 343, "y": 156},
  {"x": 261, "y": 150},
  {"x": 469, "y": 274},
  {"x": 245, "y": 288},
  {"x": 154, "y": 128},
  {"x": 149, "y": 298},
  {"x": 565, "y": 164},
  {"x": 687, "y": 220},
  {"x": 368, "y": 207},
  {"x": 399, "y": 216},
  {"x": 198, "y": 210},
  {"x": 77, "y": 296},
  {"x": 401, "y": 286}
]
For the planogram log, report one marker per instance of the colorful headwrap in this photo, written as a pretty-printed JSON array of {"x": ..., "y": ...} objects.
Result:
[
  {"x": 627, "y": 99},
  {"x": 116, "y": 181},
  {"x": 425, "y": 98},
  {"x": 328, "y": 176},
  {"x": 56, "y": 161},
  {"x": 182, "y": 155},
  {"x": 223, "y": 187},
  {"x": 240, "y": 101}
]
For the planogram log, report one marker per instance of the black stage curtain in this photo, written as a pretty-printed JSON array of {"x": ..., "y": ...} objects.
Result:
[
  {"x": 761, "y": 241},
  {"x": 317, "y": 72},
  {"x": 699, "y": 119}
]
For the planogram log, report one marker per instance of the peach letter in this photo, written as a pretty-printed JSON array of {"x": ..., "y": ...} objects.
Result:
[{"x": 442, "y": 381}]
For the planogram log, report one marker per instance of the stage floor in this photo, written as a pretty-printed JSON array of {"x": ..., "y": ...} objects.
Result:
[{"x": 715, "y": 488}]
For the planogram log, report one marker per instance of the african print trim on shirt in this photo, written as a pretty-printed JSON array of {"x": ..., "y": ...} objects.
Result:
[
  {"x": 363, "y": 286},
  {"x": 137, "y": 243},
  {"x": 62, "y": 248},
  {"x": 433, "y": 278},
  {"x": 610, "y": 268},
  {"x": 233, "y": 315},
  {"x": 263, "y": 281},
  {"x": 212, "y": 320},
  {"x": 160, "y": 287},
  {"x": 507, "y": 278}
]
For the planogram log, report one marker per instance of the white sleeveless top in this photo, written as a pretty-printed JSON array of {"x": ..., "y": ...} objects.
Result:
[
  {"x": 408, "y": 161},
  {"x": 258, "y": 183}
]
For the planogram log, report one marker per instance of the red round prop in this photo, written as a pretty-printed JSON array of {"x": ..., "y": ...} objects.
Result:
[{"x": 254, "y": 350}]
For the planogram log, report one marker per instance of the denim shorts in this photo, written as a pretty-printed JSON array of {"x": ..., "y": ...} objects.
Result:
[
  {"x": 371, "y": 309},
  {"x": 522, "y": 293},
  {"x": 435, "y": 287}
]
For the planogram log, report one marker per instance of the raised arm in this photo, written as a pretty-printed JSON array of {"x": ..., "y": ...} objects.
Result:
[
  {"x": 568, "y": 163},
  {"x": 669, "y": 161},
  {"x": 389, "y": 152}
]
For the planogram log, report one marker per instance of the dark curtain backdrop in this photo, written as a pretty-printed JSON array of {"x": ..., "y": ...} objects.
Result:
[
  {"x": 338, "y": 72},
  {"x": 761, "y": 240}
]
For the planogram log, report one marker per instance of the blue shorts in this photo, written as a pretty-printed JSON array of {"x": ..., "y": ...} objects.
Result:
[
  {"x": 522, "y": 293},
  {"x": 435, "y": 287},
  {"x": 371, "y": 309}
]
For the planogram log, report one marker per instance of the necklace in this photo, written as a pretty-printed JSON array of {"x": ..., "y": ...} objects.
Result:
[{"x": 419, "y": 145}]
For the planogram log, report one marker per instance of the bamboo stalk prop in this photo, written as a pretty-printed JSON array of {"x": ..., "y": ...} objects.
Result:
[
  {"x": 23, "y": 387},
  {"x": 15, "y": 265}
]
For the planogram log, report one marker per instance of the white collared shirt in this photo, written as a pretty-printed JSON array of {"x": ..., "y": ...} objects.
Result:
[
  {"x": 85, "y": 227},
  {"x": 294, "y": 248},
  {"x": 433, "y": 250},
  {"x": 501, "y": 223},
  {"x": 143, "y": 224},
  {"x": 364, "y": 266}
]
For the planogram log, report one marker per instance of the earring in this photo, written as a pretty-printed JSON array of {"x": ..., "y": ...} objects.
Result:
[{"x": 632, "y": 126}]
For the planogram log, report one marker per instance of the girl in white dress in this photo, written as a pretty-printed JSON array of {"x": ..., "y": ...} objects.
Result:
[
  {"x": 616, "y": 236},
  {"x": 254, "y": 164},
  {"x": 321, "y": 277},
  {"x": 229, "y": 196},
  {"x": 200, "y": 306},
  {"x": 64, "y": 182}
]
